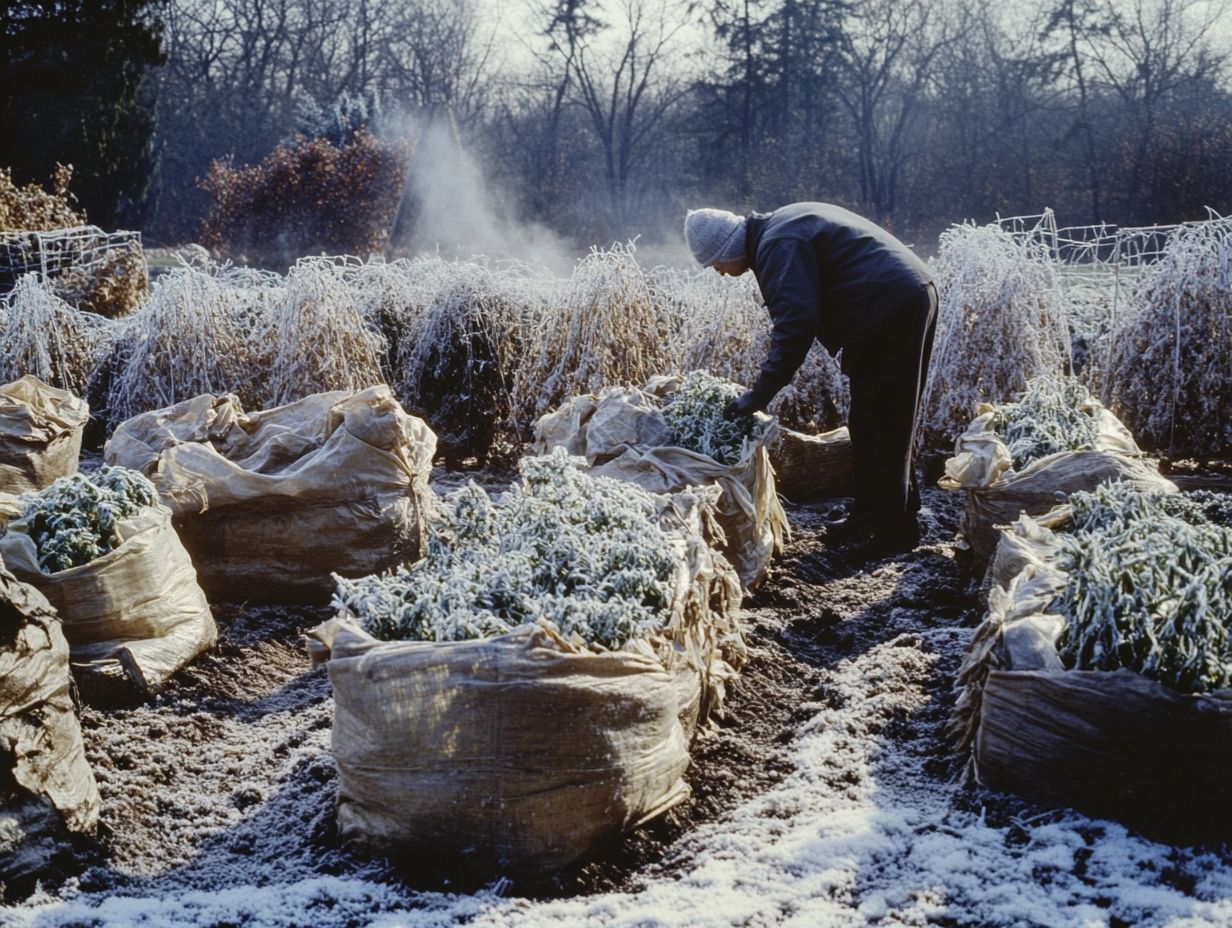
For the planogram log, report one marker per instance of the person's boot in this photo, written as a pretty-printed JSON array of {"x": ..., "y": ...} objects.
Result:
[
  {"x": 885, "y": 543},
  {"x": 847, "y": 530}
]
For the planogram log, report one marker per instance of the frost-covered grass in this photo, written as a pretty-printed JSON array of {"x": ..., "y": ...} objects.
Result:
[
  {"x": 1168, "y": 376},
  {"x": 1048, "y": 418},
  {"x": 73, "y": 521},
  {"x": 604, "y": 327},
  {"x": 1001, "y": 322},
  {"x": 694, "y": 413},
  {"x": 583, "y": 554},
  {"x": 196, "y": 334},
  {"x": 40, "y": 334},
  {"x": 1149, "y": 586}
]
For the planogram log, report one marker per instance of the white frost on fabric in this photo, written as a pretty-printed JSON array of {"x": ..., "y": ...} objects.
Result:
[{"x": 861, "y": 833}]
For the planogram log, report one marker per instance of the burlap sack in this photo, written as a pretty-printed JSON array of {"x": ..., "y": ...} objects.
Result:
[
  {"x": 525, "y": 752},
  {"x": 47, "y": 786},
  {"x": 136, "y": 615},
  {"x": 996, "y": 495},
  {"x": 270, "y": 504},
  {"x": 623, "y": 435},
  {"x": 1113, "y": 743},
  {"x": 40, "y": 434}
]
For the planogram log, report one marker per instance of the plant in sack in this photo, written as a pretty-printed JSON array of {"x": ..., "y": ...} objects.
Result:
[
  {"x": 73, "y": 522},
  {"x": 1053, "y": 414},
  {"x": 1105, "y": 656},
  {"x": 101, "y": 548},
  {"x": 1149, "y": 586},
  {"x": 583, "y": 601},
  {"x": 582, "y": 555},
  {"x": 694, "y": 413}
]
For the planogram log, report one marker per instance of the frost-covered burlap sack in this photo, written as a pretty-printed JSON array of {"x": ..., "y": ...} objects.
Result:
[
  {"x": 1111, "y": 742},
  {"x": 46, "y": 786},
  {"x": 270, "y": 504},
  {"x": 40, "y": 434},
  {"x": 134, "y": 616},
  {"x": 996, "y": 495},
  {"x": 622, "y": 434},
  {"x": 524, "y": 751}
]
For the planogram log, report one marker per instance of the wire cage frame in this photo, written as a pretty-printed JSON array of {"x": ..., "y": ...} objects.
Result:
[{"x": 50, "y": 253}]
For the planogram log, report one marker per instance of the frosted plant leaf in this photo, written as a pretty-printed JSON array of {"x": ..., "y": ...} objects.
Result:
[
  {"x": 73, "y": 521},
  {"x": 583, "y": 553},
  {"x": 1052, "y": 415},
  {"x": 695, "y": 416},
  {"x": 1149, "y": 587}
]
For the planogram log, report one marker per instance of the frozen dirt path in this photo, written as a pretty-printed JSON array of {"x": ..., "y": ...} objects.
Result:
[{"x": 827, "y": 799}]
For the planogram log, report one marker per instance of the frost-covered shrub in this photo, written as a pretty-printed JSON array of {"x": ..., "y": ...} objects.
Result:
[
  {"x": 1001, "y": 322},
  {"x": 45, "y": 336},
  {"x": 694, "y": 413},
  {"x": 583, "y": 553},
  {"x": 1168, "y": 375},
  {"x": 604, "y": 328},
  {"x": 1149, "y": 586},
  {"x": 196, "y": 334},
  {"x": 317, "y": 336},
  {"x": 1052, "y": 415},
  {"x": 456, "y": 336},
  {"x": 73, "y": 521}
]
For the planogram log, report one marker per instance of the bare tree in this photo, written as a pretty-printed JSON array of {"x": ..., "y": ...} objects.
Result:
[
  {"x": 1150, "y": 51},
  {"x": 889, "y": 51},
  {"x": 624, "y": 85}
]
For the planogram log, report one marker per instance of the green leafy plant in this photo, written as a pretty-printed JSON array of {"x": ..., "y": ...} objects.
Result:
[
  {"x": 1149, "y": 586},
  {"x": 583, "y": 554},
  {"x": 1052, "y": 415},
  {"x": 73, "y": 521},
  {"x": 695, "y": 416}
]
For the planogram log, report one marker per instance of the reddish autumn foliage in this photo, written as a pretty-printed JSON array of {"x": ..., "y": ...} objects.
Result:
[{"x": 306, "y": 198}]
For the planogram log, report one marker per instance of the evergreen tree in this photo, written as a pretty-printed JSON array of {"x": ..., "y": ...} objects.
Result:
[{"x": 76, "y": 87}]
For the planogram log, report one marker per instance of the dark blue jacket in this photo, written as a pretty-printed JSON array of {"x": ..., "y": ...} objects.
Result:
[{"x": 825, "y": 273}]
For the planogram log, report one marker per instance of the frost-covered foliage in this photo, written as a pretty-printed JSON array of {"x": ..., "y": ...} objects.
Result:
[
  {"x": 45, "y": 336},
  {"x": 1052, "y": 415},
  {"x": 195, "y": 335},
  {"x": 317, "y": 337},
  {"x": 694, "y": 413},
  {"x": 585, "y": 554},
  {"x": 73, "y": 521},
  {"x": 456, "y": 334},
  {"x": 1149, "y": 586},
  {"x": 604, "y": 328},
  {"x": 722, "y": 326},
  {"x": 1168, "y": 376},
  {"x": 1001, "y": 322}
]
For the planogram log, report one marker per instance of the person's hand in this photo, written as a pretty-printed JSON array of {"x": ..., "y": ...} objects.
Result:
[{"x": 743, "y": 405}]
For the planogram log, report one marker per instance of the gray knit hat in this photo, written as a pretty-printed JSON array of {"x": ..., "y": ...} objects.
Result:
[{"x": 714, "y": 235}]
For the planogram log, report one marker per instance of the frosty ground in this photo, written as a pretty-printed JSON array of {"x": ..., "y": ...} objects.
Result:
[{"x": 826, "y": 797}]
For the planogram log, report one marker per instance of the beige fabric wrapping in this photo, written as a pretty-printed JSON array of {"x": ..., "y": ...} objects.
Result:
[
  {"x": 623, "y": 435},
  {"x": 137, "y": 611},
  {"x": 1111, "y": 742},
  {"x": 996, "y": 495},
  {"x": 40, "y": 739},
  {"x": 270, "y": 504},
  {"x": 40, "y": 434},
  {"x": 525, "y": 752}
]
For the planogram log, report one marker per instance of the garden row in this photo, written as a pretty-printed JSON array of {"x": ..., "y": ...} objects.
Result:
[
  {"x": 1102, "y": 672},
  {"x": 600, "y": 591}
]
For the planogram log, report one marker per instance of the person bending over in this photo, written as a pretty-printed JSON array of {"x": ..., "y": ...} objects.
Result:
[{"x": 829, "y": 274}]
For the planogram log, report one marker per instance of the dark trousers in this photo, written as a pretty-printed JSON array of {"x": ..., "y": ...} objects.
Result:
[{"x": 887, "y": 366}]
